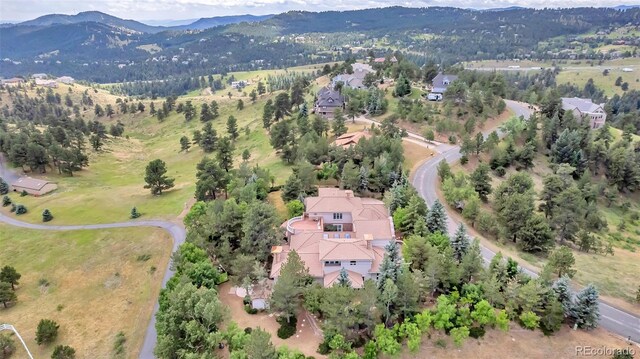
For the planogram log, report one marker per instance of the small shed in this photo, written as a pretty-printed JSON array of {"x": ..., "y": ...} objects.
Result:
[{"x": 32, "y": 186}]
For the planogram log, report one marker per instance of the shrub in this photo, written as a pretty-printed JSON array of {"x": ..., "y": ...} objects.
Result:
[
  {"x": 287, "y": 329},
  {"x": 476, "y": 332},
  {"x": 464, "y": 160},
  {"x": 143, "y": 257},
  {"x": 246, "y": 299},
  {"x": 7, "y": 346},
  {"x": 63, "y": 352},
  {"x": 21, "y": 209},
  {"x": 13, "y": 208},
  {"x": 118, "y": 345},
  {"x": 324, "y": 348},
  {"x": 441, "y": 343},
  {"x": 248, "y": 330},
  {"x": 6, "y": 201},
  {"x": 46, "y": 215},
  {"x": 23, "y": 193},
  {"x": 249, "y": 309},
  {"x": 500, "y": 171},
  {"x": 47, "y": 331}
]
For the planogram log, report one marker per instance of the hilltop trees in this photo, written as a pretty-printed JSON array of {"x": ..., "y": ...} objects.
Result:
[{"x": 156, "y": 178}]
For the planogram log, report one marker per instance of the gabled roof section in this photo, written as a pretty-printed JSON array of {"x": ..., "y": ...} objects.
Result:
[
  {"x": 581, "y": 104},
  {"x": 339, "y": 250}
]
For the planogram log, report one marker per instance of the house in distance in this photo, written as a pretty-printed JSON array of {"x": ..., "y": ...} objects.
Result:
[
  {"x": 583, "y": 107},
  {"x": 328, "y": 100},
  {"x": 439, "y": 86}
]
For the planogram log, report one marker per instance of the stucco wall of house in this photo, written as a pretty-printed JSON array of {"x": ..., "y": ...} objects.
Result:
[{"x": 361, "y": 267}]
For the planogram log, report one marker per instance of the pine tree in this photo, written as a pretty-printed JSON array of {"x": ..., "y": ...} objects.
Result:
[
  {"x": 343, "y": 278},
  {"x": 134, "y": 213},
  {"x": 232, "y": 127},
  {"x": 391, "y": 264},
  {"x": 4, "y": 187},
  {"x": 563, "y": 292},
  {"x": 208, "y": 139},
  {"x": 460, "y": 243},
  {"x": 6, "y": 200},
  {"x": 586, "y": 310},
  {"x": 10, "y": 275},
  {"x": 338, "y": 125},
  {"x": 437, "y": 219},
  {"x": 185, "y": 144},
  {"x": 416, "y": 209},
  {"x": 46, "y": 216}
]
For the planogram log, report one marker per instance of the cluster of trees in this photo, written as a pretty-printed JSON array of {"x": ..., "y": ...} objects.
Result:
[
  {"x": 387, "y": 312},
  {"x": 190, "y": 312},
  {"x": 59, "y": 146}
]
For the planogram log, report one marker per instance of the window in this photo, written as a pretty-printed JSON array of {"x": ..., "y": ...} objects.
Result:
[
  {"x": 332, "y": 263},
  {"x": 352, "y": 263},
  {"x": 337, "y": 216}
]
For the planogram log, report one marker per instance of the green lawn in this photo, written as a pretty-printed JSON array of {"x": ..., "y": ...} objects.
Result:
[{"x": 96, "y": 285}]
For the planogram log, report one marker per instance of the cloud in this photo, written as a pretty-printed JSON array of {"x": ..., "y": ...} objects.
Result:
[{"x": 20, "y": 10}]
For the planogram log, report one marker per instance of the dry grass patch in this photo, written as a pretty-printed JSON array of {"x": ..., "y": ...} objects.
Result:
[{"x": 93, "y": 283}]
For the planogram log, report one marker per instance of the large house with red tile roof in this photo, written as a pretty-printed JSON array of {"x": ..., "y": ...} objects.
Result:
[{"x": 337, "y": 230}]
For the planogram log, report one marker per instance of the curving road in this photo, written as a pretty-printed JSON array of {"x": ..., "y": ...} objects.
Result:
[
  {"x": 425, "y": 181},
  {"x": 177, "y": 232}
]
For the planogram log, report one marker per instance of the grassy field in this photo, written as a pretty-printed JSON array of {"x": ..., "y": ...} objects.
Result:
[
  {"x": 113, "y": 183},
  {"x": 97, "y": 285}
]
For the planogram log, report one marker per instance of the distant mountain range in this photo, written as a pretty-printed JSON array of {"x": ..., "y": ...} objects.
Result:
[
  {"x": 102, "y": 18},
  {"x": 102, "y": 48}
]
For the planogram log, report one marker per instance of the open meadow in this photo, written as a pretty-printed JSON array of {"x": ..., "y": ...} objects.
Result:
[{"x": 94, "y": 284}]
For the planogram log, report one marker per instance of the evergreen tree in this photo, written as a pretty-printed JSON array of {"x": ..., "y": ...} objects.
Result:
[
  {"x": 185, "y": 144},
  {"x": 240, "y": 105},
  {"x": 535, "y": 236},
  {"x": 156, "y": 178},
  {"x": 561, "y": 262},
  {"x": 205, "y": 113},
  {"x": 586, "y": 310},
  {"x": 437, "y": 218},
  {"x": 214, "y": 108},
  {"x": 287, "y": 290},
  {"x": 343, "y": 278},
  {"x": 564, "y": 294},
  {"x": 416, "y": 209},
  {"x": 9, "y": 274},
  {"x": 134, "y": 213},
  {"x": 47, "y": 331},
  {"x": 403, "y": 86},
  {"x": 460, "y": 243},
  {"x": 46, "y": 216},
  {"x": 7, "y": 295},
  {"x": 391, "y": 264},
  {"x": 4, "y": 187},
  {"x": 225, "y": 153},
  {"x": 189, "y": 111},
  {"x": 6, "y": 200},
  {"x": 63, "y": 352},
  {"x": 481, "y": 181},
  {"x": 232, "y": 128},
  {"x": 338, "y": 125},
  {"x": 209, "y": 138}
]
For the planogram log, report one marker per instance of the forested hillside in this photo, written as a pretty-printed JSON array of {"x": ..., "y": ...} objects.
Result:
[{"x": 112, "y": 51}]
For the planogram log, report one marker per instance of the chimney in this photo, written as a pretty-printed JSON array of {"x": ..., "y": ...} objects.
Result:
[
  {"x": 348, "y": 193},
  {"x": 368, "y": 238}
]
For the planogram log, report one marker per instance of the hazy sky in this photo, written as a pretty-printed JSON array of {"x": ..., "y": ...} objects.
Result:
[{"x": 20, "y": 10}]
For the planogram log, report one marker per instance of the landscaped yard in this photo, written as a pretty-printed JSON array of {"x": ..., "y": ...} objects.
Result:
[{"x": 93, "y": 283}]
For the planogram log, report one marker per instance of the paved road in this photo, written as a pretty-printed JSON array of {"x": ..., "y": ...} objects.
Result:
[
  {"x": 177, "y": 232},
  {"x": 425, "y": 181}
]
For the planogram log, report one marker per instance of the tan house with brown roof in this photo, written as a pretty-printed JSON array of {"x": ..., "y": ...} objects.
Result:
[
  {"x": 32, "y": 186},
  {"x": 338, "y": 230}
]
